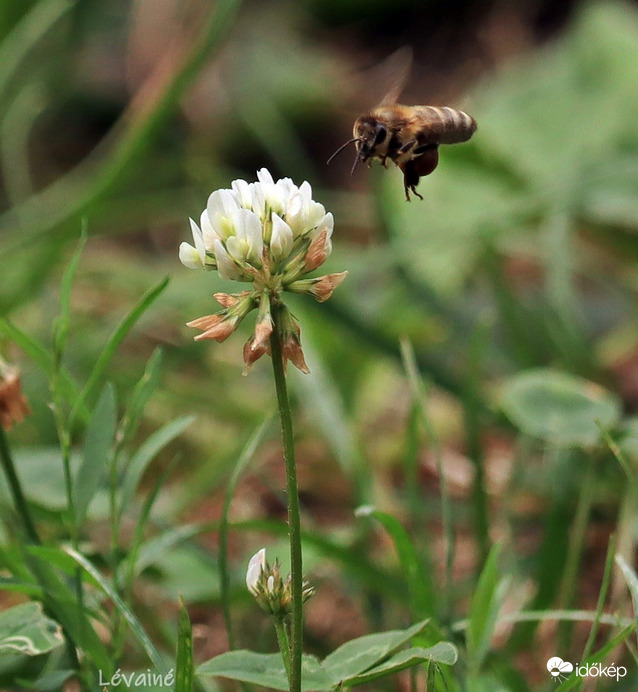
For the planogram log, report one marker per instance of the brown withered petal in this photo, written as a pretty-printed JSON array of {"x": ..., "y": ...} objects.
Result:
[
  {"x": 263, "y": 330},
  {"x": 205, "y": 322},
  {"x": 13, "y": 405},
  {"x": 253, "y": 352},
  {"x": 291, "y": 350},
  {"x": 218, "y": 327},
  {"x": 326, "y": 285},
  {"x": 316, "y": 254},
  {"x": 229, "y": 300}
]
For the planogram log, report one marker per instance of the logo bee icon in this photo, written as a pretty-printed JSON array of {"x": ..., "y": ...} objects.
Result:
[{"x": 407, "y": 135}]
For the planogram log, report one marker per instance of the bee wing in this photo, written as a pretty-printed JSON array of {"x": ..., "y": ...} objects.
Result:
[{"x": 396, "y": 70}]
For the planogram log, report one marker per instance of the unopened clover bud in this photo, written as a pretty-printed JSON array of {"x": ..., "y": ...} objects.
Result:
[
  {"x": 13, "y": 405},
  {"x": 272, "y": 593}
]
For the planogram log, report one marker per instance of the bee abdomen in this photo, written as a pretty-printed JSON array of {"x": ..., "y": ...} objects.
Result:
[{"x": 449, "y": 125}]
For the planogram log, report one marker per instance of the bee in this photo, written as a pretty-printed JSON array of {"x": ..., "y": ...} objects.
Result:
[{"x": 408, "y": 135}]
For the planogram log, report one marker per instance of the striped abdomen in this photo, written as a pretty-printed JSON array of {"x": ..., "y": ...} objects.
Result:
[{"x": 443, "y": 125}]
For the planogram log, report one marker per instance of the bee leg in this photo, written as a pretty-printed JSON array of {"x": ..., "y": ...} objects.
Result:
[{"x": 410, "y": 179}]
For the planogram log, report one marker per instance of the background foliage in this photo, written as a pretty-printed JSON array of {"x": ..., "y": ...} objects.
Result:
[{"x": 509, "y": 419}]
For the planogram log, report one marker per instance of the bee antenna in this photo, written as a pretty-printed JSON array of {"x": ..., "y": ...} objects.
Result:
[
  {"x": 354, "y": 165},
  {"x": 342, "y": 147}
]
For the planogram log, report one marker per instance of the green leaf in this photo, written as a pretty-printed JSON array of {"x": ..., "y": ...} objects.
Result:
[
  {"x": 133, "y": 623},
  {"x": 95, "y": 457},
  {"x": 486, "y": 604},
  {"x": 63, "y": 605},
  {"x": 420, "y": 585},
  {"x": 184, "y": 658},
  {"x": 25, "y": 629},
  {"x": 361, "y": 654},
  {"x": 559, "y": 408},
  {"x": 358, "y": 661},
  {"x": 146, "y": 453},
  {"x": 266, "y": 670},
  {"x": 443, "y": 652}
]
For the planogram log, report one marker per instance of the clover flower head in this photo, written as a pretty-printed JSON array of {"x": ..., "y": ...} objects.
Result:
[
  {"x": 272, "y": 592},
  {"x": 270, "y": 234}
]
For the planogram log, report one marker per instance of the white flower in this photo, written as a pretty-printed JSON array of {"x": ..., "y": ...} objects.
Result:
[
  {"x": 193, "y": 257},
  {"x": 303, "y": 213},
  {"x": 221, "y": 207},
  {"x": 256, "y": 565},
  {"x": 246, "y": 245},
  {"x": 208, "y": 232},
  {"x": 275, "y": 194},
  {"x": 281, "y": 239},
  {"x": 270, "y": 234},
  {"x": 225, "y": 266}
]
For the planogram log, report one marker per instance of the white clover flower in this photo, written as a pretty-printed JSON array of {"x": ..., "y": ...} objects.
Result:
[
  {"x": 221, "y": 209},
  {"x": 281, "y": 239},
  {"x": 256, "y": 565},
  {"x": 193, "y": 257},
  {"x": 268, "y": 233}
]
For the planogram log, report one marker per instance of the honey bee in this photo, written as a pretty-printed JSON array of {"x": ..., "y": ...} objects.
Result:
[{"x": 408, "y": 135}]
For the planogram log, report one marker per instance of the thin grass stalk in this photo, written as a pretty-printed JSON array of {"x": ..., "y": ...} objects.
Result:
[
  {"x": 15, "y": 488},
  {"x": 569, "y": 581}
]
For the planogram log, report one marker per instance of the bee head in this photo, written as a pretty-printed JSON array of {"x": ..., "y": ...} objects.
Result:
[{"x": 368, "y": 134}]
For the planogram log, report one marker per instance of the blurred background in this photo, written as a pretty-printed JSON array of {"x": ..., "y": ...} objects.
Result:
[{"x": 123, "y": 116}]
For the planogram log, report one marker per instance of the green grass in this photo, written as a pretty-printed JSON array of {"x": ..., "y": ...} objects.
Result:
[{"x": 466, "y": 439}]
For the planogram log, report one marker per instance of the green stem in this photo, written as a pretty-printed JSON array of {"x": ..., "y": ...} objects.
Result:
[
  {"x": 16, "y": 489},
  {"x": 575, "y": 551},
  {"x": 284, "y": 644},
  {"x": 294, "y": 518}
]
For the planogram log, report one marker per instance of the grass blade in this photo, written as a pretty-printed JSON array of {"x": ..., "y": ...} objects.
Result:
[
  {"x": 420, "y": 586},
  {"x": 112, "y": 344},
  {"x": 184, "y": 658},
  {"x": 98, "y": 444},
  {"x": 486, "y": 604},
  {"x": 146, "y": 453},
  {"x": 67, "y": 386},
  {"x": 61, "y": 324},
  {"x": 135, "y": 625}
]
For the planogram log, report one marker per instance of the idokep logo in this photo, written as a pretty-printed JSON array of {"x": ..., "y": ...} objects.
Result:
[{"x": 559, "y": 670}]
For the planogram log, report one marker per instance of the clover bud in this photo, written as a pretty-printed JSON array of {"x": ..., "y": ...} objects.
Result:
[{"x": 13, "y": 405}]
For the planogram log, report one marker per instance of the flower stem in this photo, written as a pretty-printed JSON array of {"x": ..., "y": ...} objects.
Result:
[
  {"x": 294, "y": 519},
  {"x": 19, "y": 500},
  {"x": 284, "y": 644}
]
